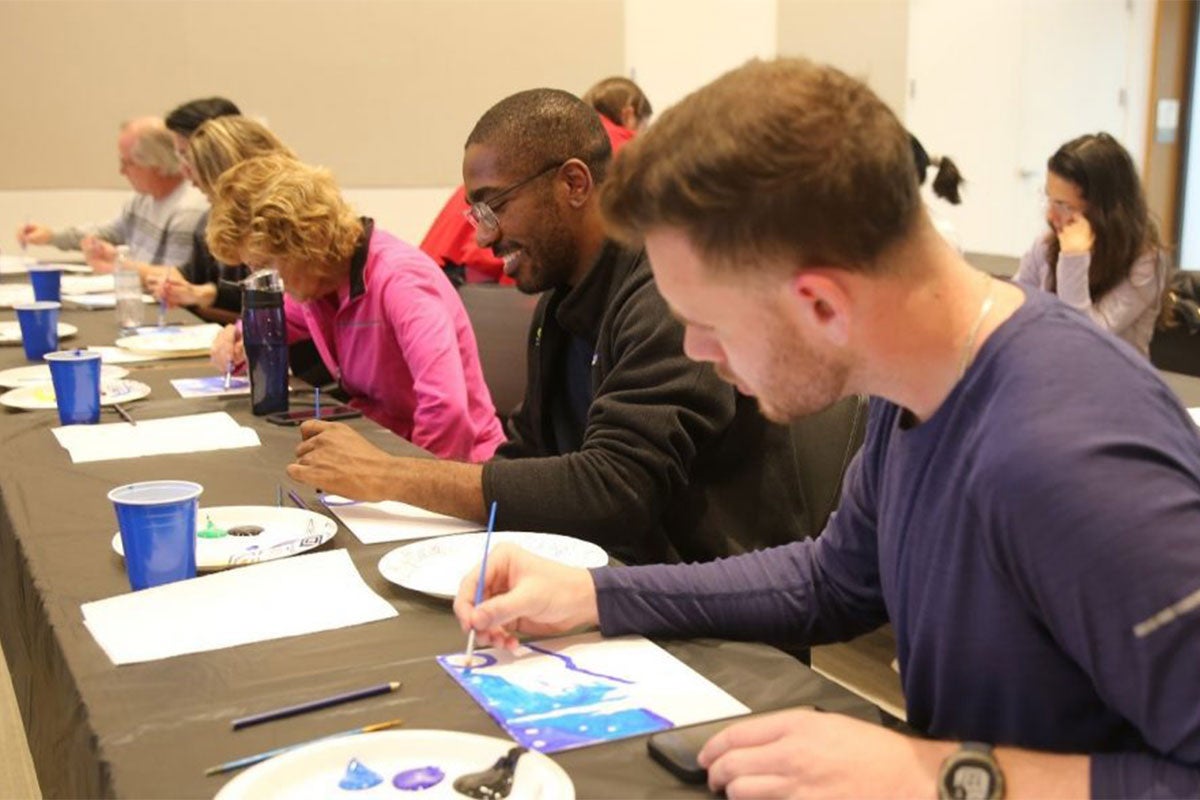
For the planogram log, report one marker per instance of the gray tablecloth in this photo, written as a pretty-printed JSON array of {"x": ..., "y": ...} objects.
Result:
[{"x": 149, "y": 730}]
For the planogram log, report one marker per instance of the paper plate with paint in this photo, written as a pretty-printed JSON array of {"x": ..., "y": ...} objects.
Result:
[
  {"x": 416, "y": 763},
  {"x": 232, "y": 536},
  {"x": 172, "y": 341},
  {"x": 437, "y": 566},
  {"x": 40, "y": 373},
  {"x": 10, "y": 332},
  {"x": 40, "y": 396}
]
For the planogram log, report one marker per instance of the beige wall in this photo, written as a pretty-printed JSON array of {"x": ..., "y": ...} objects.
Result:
[
  {"x": 865, "y": 38},
  {"x": 382, "y": 91}
]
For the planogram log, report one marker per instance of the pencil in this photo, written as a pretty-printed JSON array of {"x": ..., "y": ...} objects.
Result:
[
  {"x": 314, "y": 705},
  {"x": 228, "y": 373},
  {"x": 299, "y": 504},
  {"x": 230, "y": 766},
  {"x": 317, "y": 402},
  {"x": 487, "y": 540},
  {"x": 124, "y": 414}
]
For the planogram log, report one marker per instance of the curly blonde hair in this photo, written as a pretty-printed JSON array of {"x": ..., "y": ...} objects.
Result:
[
  {"x": 220, "y": 143},
  {"x": 275, "y": 207}
]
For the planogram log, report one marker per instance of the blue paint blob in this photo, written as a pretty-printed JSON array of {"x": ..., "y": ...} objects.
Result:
[
  {"x": 419, "y": 779},
  {"x": 359, "y": 777}
]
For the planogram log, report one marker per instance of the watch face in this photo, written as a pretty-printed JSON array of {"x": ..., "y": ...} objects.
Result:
[{"x": 970, "y": 779}]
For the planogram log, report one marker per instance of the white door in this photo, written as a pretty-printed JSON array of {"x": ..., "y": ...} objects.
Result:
[{"x": 998, "y": 85}]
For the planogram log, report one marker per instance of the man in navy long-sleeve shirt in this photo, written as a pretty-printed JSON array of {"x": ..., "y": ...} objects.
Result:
[{"x": 1025, "y": 509}]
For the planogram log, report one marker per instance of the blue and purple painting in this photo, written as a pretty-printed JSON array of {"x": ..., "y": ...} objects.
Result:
[{"x": 572, "y": 692}]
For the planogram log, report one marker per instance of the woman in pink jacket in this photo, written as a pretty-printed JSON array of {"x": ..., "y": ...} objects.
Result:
[{"x": 386, "y": 322}]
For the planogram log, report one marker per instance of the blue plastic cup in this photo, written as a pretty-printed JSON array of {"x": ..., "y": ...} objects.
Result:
[
  {"x": 47, "y": 283},
  {"x": 76, "y": 378},
  {"x": 158, "y": 530},
  {"x": 39, "y": 328}
]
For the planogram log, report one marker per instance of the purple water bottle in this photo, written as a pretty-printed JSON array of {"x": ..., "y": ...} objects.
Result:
[{"x": 264, "y": 336}]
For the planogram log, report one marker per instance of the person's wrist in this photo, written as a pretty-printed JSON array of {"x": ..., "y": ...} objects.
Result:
[{"x": 206, "y": 295}]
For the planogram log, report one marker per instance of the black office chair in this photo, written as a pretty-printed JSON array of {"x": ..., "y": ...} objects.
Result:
[
  {"x": 500, "y": 316},
  {"x": 824, "y": 443}
]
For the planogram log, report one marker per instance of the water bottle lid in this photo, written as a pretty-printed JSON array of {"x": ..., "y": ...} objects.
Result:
[
  {"x": 263, "y": 280},
  {"x": 262, "y": 289}
]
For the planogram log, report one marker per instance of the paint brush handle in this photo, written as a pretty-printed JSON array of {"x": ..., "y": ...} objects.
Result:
[
  {"x": 314, "y": 705},
  {"x": 124, "y": 414},
  {"x": 230, "y": 766}
]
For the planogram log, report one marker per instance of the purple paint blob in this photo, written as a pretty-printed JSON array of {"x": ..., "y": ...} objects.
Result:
[
  {"x": 359, "y": 777},
  {"x": 419, "y": 779}
]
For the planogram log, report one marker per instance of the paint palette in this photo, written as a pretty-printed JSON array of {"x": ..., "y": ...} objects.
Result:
[
  {"x": 437, "y": 566},
  {"x": 387, "y": 760},
  {"x": 172, "y": 341},
  {"x": 40, "y": 373},
  {"x": 40, "y": 396},
  {"x": 233, "y": 536},
  {"x": 10, "y": 332}
]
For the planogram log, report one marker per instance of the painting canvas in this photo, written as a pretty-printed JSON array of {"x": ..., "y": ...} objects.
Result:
[{"x": 560, "y": 694}]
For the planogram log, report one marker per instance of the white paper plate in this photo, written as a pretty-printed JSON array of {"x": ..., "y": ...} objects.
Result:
[
  {"x": 15, "y": 265},
  {"x": 286, "y": 531},
  {"x": 179, "y": 342},
  {"x": 10, "y": 332},
  {"x": 40, "y": 396},
  {"x": 115, "y": 355},
  {"x": 315, "y": 769},
  {"x": 12, "y": 293},
  {"x": 40, "y": 373},
  {"x": 437, "y": 566},
  {"x": 88, "y": 284}
]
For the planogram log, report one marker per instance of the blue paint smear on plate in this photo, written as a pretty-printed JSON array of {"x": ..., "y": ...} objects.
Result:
[
  {"x": 359, "y": 777},
  {"x": 551, "y": 721},
  {"x": 419, "y": 779}
]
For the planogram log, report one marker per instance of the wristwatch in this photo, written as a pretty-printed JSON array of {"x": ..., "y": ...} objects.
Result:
[{"x": 971, "y": 773}]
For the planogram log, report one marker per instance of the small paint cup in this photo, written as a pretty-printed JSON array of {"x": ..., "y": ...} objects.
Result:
[
  {"x": 76, "y": 378},
  {"x": 47, "y": 283},
  {"x": 158, "y": 530},
  {"x": 39, "y": 328}
]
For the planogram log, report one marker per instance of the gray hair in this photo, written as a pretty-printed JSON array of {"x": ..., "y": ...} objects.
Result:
[{"x": 153, "y": 146}]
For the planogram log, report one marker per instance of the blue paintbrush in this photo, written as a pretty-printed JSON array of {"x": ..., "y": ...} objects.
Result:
[
  {"x": 229, "y": 766},
  {"x": 487, "y": 540}
]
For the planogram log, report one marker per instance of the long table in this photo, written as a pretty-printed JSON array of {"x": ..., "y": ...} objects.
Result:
[{"x": 150, "y": 729}]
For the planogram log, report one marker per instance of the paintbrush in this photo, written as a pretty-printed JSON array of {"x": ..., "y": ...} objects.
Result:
[
  {"x": 487, "y": 540},
  {"x": 230, "y": 766}
]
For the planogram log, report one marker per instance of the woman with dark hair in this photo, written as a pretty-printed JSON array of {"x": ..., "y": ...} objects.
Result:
[{"x": 1102, "y": 254}]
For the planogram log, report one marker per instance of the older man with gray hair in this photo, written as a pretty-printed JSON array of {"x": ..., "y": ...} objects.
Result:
[{"x": 157, "y": 223}]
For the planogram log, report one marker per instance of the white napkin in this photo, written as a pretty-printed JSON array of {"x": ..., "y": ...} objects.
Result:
[
  {"x": 190, "y": 434},
  {"x": 257, "y": 603}
]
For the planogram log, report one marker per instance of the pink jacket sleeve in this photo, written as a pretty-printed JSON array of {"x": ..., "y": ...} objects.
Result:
[{"x": 425, "y": 331}]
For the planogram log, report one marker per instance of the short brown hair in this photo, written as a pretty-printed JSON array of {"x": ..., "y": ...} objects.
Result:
[
  {"x": 276, "y": 207},
  {"x": 612, "y": 95},
  {"x": 221, "y": 142},
  {"x": 784, "y": 161}
]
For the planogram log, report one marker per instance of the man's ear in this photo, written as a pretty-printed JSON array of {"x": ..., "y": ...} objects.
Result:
[
  {"x": 823, "y": 303},
  {"x": 578, "y": 180}
]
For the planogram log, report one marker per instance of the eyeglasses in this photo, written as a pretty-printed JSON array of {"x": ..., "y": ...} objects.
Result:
[
  {"x": 482, "y": 215},
  {"x": 1060, "y": 207}
]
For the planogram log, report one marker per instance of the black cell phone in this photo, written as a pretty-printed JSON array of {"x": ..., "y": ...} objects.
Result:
[
  {"x": 677, "y": 748},
  {"x": 299, "y": 415}
]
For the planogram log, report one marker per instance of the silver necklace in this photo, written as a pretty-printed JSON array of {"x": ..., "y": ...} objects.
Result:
[{"x": 984, "y": 308}]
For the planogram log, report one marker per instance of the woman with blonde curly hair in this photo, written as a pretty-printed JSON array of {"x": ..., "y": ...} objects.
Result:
[{"x": 386, "y": 322}]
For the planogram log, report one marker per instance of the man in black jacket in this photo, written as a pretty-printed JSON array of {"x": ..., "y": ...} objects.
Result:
[{"x": 621, "y": 439}]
